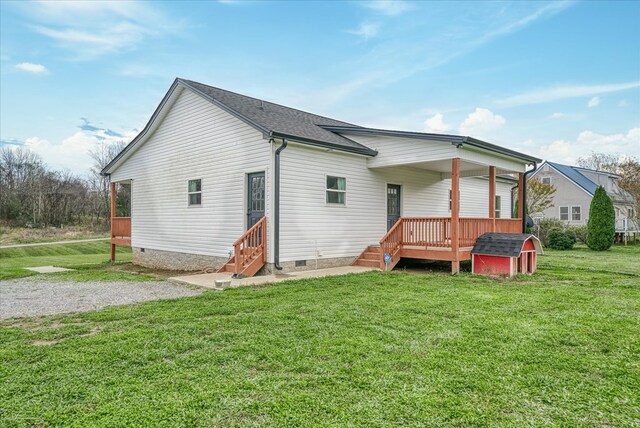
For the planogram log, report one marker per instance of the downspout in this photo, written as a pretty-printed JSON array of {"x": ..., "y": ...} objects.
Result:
[
  {"x": 524, "y": 197},
  {"x": 276, "y": 208}
]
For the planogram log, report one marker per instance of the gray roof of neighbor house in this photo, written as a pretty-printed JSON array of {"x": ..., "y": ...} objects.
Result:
[
  {"x": 573, "y": 173},
  {"x": 278, "y": 121},
  {"x": 504, "y": 244}
]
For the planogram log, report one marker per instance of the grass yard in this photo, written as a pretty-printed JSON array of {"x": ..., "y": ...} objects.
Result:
[
  {"x": 87, "y": 256},
  {"x": 25, "y": 235},
  {"x": 560, "y": 348}
]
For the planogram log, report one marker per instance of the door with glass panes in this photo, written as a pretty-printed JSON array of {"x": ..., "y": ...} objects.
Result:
[{"x": 255, "y": 198}]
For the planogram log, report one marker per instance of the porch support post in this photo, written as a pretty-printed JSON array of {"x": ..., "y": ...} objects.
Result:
[
  {"x": 521, "y": 196},
  {"x": 455, "y": 214},
  {"x": 113, "y": 216},
  {"x": 492, "y": 197}
]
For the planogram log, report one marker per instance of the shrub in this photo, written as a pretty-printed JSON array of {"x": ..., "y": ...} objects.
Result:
[
  {"x": 561, "y": 239},
  {"x": 581, "y": 233},
  {"x": 544, "y": 226},
  {"x": 601, "y": 227}
]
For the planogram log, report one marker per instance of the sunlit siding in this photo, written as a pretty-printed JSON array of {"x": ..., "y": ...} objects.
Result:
[
  {"x": 395, "y": 151},
  {"x": 309, "y": 223},
  {"x": 195, "y": 140}
]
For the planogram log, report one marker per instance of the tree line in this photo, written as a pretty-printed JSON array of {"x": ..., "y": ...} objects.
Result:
[{"x": 33, "y": 195}]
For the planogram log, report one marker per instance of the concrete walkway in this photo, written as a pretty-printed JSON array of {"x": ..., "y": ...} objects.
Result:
[
  {"x": 37, "y": 244},
  {"x": 207, "y": 280}
]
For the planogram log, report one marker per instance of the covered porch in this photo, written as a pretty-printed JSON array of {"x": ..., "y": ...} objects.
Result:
[{"x": 447, "y": 238}]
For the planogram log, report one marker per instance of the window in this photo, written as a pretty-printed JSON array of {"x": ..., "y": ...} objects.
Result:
[
  {"x": 336, "y": 190},
  {"x": 631, "y": 213},
  {"x": 498, "y": 206},
  {"x": 546, "y": 180},
  {"x": 450, "y": 199},
  {"x": 576, "y": 213},
  {"x": 564, "y": 213},
  {"x": 195, "y": 192}
]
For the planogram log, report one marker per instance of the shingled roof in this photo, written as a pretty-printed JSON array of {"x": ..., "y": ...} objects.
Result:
[
  {"x": 503, "y": 244},
  {"x": 281, "y": 121}
]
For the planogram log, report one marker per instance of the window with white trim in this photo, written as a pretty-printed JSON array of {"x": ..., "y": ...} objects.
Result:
[
  {"x": 498, "y": 210},
  {"x": 576, "y": 213},
  {"x": 450, "y": 199},
  {"x": 564, "y": 213},
  {"x": 546, "y": 180},
  {"x": 194, "y": 191},
  {"x": 336, "y": 190}
]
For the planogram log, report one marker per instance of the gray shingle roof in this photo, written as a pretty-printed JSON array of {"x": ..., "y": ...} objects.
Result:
[
  {"x": 280, "y": 120},
  {"x": 501, "y": 244},
  {"x": 574, "y": 175}
]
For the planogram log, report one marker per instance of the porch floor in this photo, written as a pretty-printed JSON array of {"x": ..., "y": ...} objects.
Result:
[{"x": 207, "y": 280}]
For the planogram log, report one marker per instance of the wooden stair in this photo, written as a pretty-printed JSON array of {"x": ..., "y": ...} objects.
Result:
[
  {"x": 370, "y": 257},
  {"x": 250, "y": 252}
]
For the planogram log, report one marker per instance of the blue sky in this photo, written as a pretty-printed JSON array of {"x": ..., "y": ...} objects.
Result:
[{"x": 557, "y": 80}]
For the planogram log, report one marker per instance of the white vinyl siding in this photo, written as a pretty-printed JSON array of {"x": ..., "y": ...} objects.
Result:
[
  {"x": 308, "y": 222},
  {"x": 194, "y": 140}
]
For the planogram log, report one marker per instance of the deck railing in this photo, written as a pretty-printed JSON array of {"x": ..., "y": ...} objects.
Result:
[
  {"x": 121, "y": 227},
  {"x": 435, "y": 232},
  {"x": 251, "y": 245}
]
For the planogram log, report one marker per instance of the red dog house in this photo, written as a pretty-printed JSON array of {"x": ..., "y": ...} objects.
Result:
[{"x": 505, "y": 254}]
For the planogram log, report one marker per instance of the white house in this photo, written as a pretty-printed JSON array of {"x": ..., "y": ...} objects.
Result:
[
  {"x": 223, "y": 180},
  {"x": 575, "y": 188}
]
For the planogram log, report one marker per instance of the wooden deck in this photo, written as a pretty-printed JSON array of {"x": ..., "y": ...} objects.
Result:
[{"x": 433, "y": 238}]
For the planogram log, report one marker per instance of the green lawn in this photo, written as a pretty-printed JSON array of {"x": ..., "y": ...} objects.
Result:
[
  {"x": 560, "y": 348},
  {"x": 76, "y": 255}
]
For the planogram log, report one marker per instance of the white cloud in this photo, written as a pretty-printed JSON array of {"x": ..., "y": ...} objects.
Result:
[
  {"x": 92, "y": 29},
  {"x": 557, "y": 115},
  {"x": 71, "y": 154},
  {"x": 32, "y": 68},
  {"x": 481, "y": 122},
  {"x": 366, "y": 30},
  {"x": 436, "y": 125},
  {"x": 389, "y": 7},
  {"x": 563, "y": 92},
  {"x": 568, "y": 151},
  {"x": 593, "y": 102},
  {"x": 622, "y": 103}
]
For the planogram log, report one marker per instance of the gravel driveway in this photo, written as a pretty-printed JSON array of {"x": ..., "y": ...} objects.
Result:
[{"x": 35, "y": 296}]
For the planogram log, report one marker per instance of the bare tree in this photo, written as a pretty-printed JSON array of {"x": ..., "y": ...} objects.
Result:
[{"x": 102, "y": 155}]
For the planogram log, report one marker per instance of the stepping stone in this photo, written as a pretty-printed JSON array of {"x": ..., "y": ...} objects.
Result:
[{"x": 48, "y": 269}]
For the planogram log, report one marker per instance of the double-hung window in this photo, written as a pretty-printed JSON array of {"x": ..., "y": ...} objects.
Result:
[
  {"x": 195, "y": 192},
  {"x": 336, "y": 190},
  {"x": 576, "y": 213},
  {"x": 498, "y": 206},
  {"x": 564, "y": 213}
]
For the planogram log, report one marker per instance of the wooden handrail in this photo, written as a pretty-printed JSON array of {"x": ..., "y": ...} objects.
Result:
[
  {"x": 251, "y": 245},
  {"x": 436, "y": 232},
  {"x": 391, "y": 243}
]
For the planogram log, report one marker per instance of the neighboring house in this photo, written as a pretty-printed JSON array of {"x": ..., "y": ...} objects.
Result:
[
  {"x": 575, "y": 188},
  {"x": 223, "y": 180}
]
